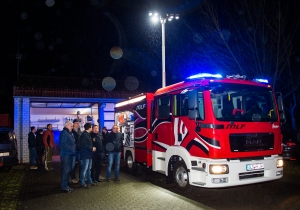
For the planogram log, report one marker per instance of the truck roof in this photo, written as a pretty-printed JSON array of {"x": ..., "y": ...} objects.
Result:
[{"x": 205, "y": 82}]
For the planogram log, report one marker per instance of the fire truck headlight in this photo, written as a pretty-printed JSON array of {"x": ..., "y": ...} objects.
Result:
[
  {"x": 218, "y": 169},
  {"x": 279, "y": 163}
]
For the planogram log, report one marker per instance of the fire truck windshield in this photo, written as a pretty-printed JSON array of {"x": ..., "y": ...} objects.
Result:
[{"x": 235, "y": 102}]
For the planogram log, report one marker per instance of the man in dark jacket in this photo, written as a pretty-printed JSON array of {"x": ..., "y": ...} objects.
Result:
[
  {"x": 114, "y": 144},
  {"x": 76, "y": 133},
  {"x": 97, "y": 139},
  {"x": 40, "y": 148},
  {"x": 86, "y": 155},
  {"x": 67, "y": 152},
  {"x": 32, "y": 147}
]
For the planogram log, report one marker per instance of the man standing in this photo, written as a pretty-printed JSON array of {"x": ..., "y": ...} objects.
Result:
[
  {"x": 104, "y": 134},
  {"x": 76, "y": 133},
  {"x": 114, "y": 146},
  {"x": 40, "y": 148},
  {"x": 67, "y": 152},
  {"x": 32, "y": 147},
  {"x": 48, "y": 139},
  {"x": 86, "y": 155},
  {"x": 97, "y": 139}
]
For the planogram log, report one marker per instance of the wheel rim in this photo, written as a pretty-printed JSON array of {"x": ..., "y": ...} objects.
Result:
[
  {"x": 181, "y": 177},
  {"x": 129, "y": 162}
]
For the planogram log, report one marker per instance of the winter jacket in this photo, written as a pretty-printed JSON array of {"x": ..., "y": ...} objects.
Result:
[
  {"x": 40, "y": 147},
  {"x": 77, "y": 135},
  {"x": 115, "y": 139},
  {"x": 31, "y": 140},
  {"x": 66, "y": 143},
  {"x": 48, "y": 139},
  {"x": 97, "y": 139},
  {"x": 86, "y": 146}
]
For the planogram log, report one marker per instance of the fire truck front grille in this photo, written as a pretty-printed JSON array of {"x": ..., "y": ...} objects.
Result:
[
  {"x": 251, "y": 175},
  {"x": 249, "y": 142}
]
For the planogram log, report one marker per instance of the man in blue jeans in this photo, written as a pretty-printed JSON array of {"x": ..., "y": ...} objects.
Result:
[
  {"x": 32, "y": 147},
  {"x": 67, "y": 154},
  {"x": 114, "y": 145},
  {"x": 86, "y": 155}
]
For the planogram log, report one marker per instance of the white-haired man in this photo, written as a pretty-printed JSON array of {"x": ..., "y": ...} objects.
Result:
[{"x": 67, "y": 154}]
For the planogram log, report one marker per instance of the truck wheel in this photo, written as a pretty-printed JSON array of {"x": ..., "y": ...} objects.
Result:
[
  {"x": 130, "y": 165},
  {"x": 181, "y": 177}
]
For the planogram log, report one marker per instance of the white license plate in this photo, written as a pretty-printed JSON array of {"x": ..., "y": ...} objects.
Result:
[
  {"x": 256, "y": 166},
  {"x": 2, "y": 154}
]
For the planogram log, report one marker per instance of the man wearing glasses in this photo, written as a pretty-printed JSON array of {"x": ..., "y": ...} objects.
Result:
[{"x": 114, "y": 145}]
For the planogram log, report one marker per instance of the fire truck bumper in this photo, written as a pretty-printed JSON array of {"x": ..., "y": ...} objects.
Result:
[{"x": 224, "y": 173}]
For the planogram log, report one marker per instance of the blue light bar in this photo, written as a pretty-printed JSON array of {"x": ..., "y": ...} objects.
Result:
[
  {"x": 205, "y": 75},
  {"x": 261, "y": 80}
]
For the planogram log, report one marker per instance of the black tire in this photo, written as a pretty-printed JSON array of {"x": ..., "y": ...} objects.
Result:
[
  {"x": 181, "y": 177},
  {"x": 5, "y": 168},
  {"x": 130, "y": 165}
]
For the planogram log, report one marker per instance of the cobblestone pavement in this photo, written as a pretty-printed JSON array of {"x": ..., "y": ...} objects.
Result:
[{"x": 41, "y": 190}]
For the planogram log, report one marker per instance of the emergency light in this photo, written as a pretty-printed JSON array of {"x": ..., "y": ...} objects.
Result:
[
  {"x": 261, "y": 80},
  {"x": 205, "y": 75}
]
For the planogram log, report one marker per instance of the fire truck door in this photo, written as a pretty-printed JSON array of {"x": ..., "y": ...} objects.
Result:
[{"x": 162, "y": 126}]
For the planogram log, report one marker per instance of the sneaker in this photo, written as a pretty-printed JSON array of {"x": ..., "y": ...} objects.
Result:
[
  {"x": 92, "y": 184},
  {"x": 84, "y": 186},
  {"x": 68, "y": 190},
  {"x": 75, "y": 181},
  {"x": 33, "y": 167},
  {"x": 117, "y": 179},
  {"x": 108, "y": 180}
]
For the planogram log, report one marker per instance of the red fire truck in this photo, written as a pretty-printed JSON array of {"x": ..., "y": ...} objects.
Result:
[{"x": 206, "y": 131}]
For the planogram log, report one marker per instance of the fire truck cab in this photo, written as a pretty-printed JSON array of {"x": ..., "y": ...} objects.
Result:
[{"x": 206, "y": 131}]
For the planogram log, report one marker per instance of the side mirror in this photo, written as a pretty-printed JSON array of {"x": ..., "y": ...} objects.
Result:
[
  {"x": 280, "y": 104},
  {"x": 281, "y": 107},
  {"x": 193, "y": 99}
]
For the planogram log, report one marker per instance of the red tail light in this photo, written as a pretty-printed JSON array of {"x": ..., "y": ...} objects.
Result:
[{"x": 289, "y": 144}]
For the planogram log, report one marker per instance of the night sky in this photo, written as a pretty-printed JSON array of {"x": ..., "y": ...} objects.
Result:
[{"x": 74, "y": 38}]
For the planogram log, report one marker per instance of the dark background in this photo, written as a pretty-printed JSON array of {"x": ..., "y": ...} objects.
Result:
[{"x": 74, "y": 39}]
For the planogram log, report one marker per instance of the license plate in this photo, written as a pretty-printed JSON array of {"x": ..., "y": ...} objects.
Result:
[
  {"x": 4, "y": 154},
  {"x": 256, "y": 166}
]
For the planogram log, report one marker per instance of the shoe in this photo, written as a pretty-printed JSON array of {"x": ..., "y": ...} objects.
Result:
[
  {"x": 84, "y": 186},
  {"x": 75, "y": 181},
  {"x": 92, "y": 184},
  {"x": 33, "y": 167},
  {"x": 117, "y": 179},
  {"x": 98, "y": 180},
  {"x": 108, "y": 180},
  {"x": 67, "y": 190},
  {"x": 95, "y": 181},
  {"x": 48, "y": 169}
]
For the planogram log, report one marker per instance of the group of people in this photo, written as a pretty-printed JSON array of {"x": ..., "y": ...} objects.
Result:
[
  {"x": 40, "y": 143},
  {"x": 88, "y": 148}
]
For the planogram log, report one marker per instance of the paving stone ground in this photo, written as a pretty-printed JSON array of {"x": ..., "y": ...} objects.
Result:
[{"x": 41, "y": 190}]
